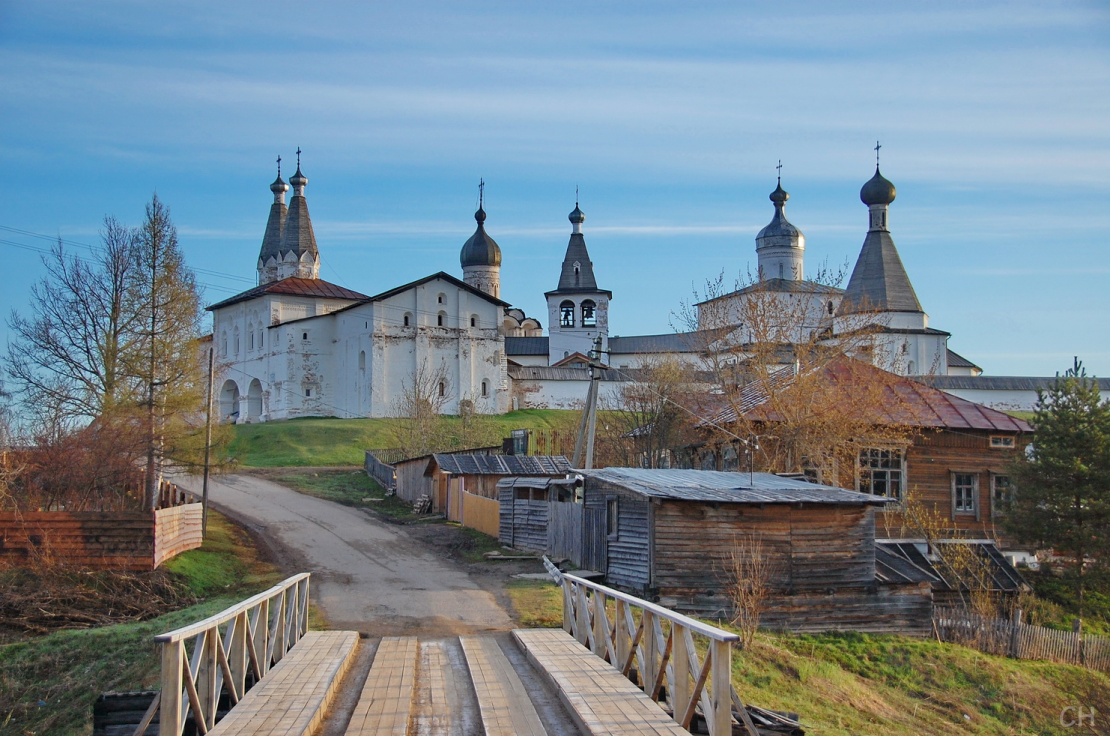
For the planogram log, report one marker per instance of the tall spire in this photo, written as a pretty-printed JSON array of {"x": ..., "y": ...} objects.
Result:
[
  {"x": 270, "y": 254},
  {"x": 481, "y": 255},
  {"x": 297, "y": 253}
]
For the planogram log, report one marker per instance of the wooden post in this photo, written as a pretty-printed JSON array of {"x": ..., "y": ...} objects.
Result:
[
  {"x": 680, "y": 659},
  {"x": 207, "y": 445},
  {"x": 1077, "y": 627},
  {"x": 651, "y": 650},
  {"x": 599, "y": 624},
  {"x": 1015, "y": 635},
  {"x": 568, "y": 609},
  {"x": 623, "y": 635},
  {"x": 173, "y": 657},
  {"x": 720, "y": 720}
]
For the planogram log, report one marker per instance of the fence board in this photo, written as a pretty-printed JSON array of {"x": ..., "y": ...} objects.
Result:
[
  {"x": 564, "y": 531},
  {"x": 483, "y": 514},
  {"x": 1020, "y": 640}
]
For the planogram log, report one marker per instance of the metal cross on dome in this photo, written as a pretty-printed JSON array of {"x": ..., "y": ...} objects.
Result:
[
  {"x": 779, "y": 167},
  {"x": 877, "y": 147}
]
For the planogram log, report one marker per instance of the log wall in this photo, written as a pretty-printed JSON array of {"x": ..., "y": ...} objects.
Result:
[{"x": 100, "y": 540}]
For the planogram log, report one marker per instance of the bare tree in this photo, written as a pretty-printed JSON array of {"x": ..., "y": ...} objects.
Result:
[
  {"x": 68, "y": 356},
  {"x": 749, "y": 574},
  {"x": 779, "y": 357},
  {"x": 648, "y": 418},
  {"x": 420, "y": 428}
]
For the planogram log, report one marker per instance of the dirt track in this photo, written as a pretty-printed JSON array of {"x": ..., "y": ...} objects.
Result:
[{"x": 367, "y": 575}]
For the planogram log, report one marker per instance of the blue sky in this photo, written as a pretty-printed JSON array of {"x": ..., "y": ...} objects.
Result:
[{"x": 670, "y": 117}]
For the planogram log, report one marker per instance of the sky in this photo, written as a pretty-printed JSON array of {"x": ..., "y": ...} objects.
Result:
[{"x": 669, "y": 118}]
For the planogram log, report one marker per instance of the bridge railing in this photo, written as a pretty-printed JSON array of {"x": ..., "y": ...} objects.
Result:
[
  {"x": 658, "y": 649},
  {"x": 220, "y": 653}
]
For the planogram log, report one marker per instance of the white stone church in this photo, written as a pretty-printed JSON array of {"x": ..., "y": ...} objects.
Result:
[{"x": 297, "y": 345}]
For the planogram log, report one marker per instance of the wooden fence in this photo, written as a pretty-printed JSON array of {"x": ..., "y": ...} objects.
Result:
[
  {"x": 226, "y": 654},
  {"x": 658, "y": 650},
  {"x": 380, "y": 470},
  {"x": 483, "y": 514},
  {"x": 101, "y": 540},
  {"x": 1018, "y": 640}
]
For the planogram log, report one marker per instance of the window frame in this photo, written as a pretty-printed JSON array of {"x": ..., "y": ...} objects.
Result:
[
  {"x": 901, "y": 470},
  {"x": 1002, "y": 442},
  {"x": 976, "y": 489},
  {"x": 612, "y": 517},
  {"x": 996, "y": 510}
]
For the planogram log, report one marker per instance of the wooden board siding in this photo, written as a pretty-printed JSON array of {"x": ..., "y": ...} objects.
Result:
[
  {"x": 483, "y": 514},
  {"x": 627, "y": 554},
  {"x": 564, "y": 531},
  {"x": 930, "y": 464},
  {"x": 177, "y": 530},
  {"x": 412, "y": 483},
  {"x": 814, "y": 548},
  {"x": 523, "y": 523}
]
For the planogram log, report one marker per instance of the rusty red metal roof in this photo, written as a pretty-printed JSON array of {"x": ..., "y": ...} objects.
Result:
[
  {"x": 907, "y": 402},
  {"x": 294, "y": 287}
]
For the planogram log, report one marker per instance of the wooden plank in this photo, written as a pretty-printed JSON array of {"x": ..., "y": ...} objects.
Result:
[
  {"x": 502, "y": 699},
  {"x": 385, "y": 705},
  {"x": 292, "y": 700},
  {"x": 436, "y": 701},
  {"x": 598, "y": 697}
]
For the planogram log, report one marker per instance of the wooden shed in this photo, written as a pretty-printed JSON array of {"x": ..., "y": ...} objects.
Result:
[{"x": 670, "y": 535}]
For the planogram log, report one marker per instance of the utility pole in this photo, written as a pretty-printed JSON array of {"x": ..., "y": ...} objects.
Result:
[
  {"x": 207, "y": 446},
  {"x": 587, "y": 429}
]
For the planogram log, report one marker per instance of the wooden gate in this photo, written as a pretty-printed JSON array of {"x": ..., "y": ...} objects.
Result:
[
  {"x": 564, "y": 531},
  {"x": 594, "y": 547}
]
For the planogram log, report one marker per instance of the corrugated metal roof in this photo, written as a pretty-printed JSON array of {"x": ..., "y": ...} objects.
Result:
[
  {"x": 909, "y": 402},
  {"x": 720, "y": 487},
  {"x": 955, "y": 360},
  {"x": 998, "y": 383},
  {"x": 526, "y": 346},
  {"x": 502, "y": 464},
  {"x": 293, "y": 287},
  {"x": 674, "y": 342},
  {"x": 902, "y": 561}
]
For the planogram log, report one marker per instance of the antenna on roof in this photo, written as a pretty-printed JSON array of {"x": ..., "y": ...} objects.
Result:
[
  {"x": 877, "y": 147},
  {"x": 779, "y": 167}
]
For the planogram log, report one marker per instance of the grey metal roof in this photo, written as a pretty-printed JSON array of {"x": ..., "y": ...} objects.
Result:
[
  {"x": 955, "y": 360},
  {"x": 583, "y": 281},
  {"x": 877, "y": 190},
  {"x": 780, "y": 231},
  {"x": 998, "y": 383},
  {"x": 715, "y": 486},
  {"x": 526, "y": 346},
  {"x": 879, "y": 280},
  {"x": 673, "y": 342},
  {"x": 297, "y": 235},
  {"x": 275, "y": 226},
  {"x": 524, "y": 481},
  {"x": 902, "y": 561},
  {"x": 502, "y": 464}
]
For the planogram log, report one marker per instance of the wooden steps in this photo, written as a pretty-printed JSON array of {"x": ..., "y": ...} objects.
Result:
[
  {"x": 293, "y": 697},
  {"x": 504, "y": 702},
  {"x": 600, "y": 699}
]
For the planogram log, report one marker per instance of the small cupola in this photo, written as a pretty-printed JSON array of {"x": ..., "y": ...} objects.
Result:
[{"x": 780, "y": 246}]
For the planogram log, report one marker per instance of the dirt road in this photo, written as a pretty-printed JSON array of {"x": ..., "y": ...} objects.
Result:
[{"x": 367, "y": 575}]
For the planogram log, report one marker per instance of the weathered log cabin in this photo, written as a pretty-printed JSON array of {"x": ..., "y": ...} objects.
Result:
[
  {"x": 954, "y": 463},
  {"x": 670, "y": 535}
]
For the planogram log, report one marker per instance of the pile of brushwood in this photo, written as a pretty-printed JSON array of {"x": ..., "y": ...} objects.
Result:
[{"x": 43, "y": 598}]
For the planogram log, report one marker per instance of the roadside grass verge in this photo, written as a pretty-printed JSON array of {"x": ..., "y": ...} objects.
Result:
[
  {"x": 538, "y": 603},
  {"x": 49, "y": 683},
  {"x": 848, "y": 683},
  {"x": 318, "y": 442},
  {"x": 348, "y": 486}
]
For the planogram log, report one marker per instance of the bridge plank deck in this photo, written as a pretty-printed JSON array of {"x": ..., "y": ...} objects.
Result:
[
  {"x": 385, "y": 705},
  {"x": 293, "y": 698},
  {"x": 599, "y": 697},
  {"x": 502, "y": 698}
]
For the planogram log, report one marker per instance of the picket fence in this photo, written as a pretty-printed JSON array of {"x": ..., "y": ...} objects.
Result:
[{"x": 1017, "y": 640}]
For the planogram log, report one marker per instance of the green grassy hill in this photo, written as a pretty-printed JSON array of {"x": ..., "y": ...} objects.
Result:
[{"x": 323, "y": 441}]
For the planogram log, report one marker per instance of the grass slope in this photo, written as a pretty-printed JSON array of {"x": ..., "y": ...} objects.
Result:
[
  {"x": 847, "y": 684},
  {"x": 324, "y": 441},
  {"x": 48, "y": 684}
]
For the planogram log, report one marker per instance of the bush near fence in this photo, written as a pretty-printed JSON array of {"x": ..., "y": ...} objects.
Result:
[{"x": 1018, "y": 640}]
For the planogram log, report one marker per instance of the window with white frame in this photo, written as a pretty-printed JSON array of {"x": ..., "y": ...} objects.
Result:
[
  {"x": 882, "y": 472},
  {"x": 1002, "y": 442},
  {"x": 965, "y": 492}
]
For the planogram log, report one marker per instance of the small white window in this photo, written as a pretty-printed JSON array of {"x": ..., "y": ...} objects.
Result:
[
  {"x": 441, "y": 298},
  {"x": 441, "y": 319},
  {"x": 362, "y": 360},
  {"x": 485, "y": 389},
  {"x": 262, "y": 338},
  {"x": 250, "y": 340},
  {"x": 304, "y": 335},
  {"x": 1002, "y": 441},
  {"x": 473, "y": 320},
  {"x": 408, "y": 318},
  {"x": 308, "y": 392},
  {"x": 442, "y": 388}
]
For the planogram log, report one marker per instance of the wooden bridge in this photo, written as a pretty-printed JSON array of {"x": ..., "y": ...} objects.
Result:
[{"x": 620, "y": 665}]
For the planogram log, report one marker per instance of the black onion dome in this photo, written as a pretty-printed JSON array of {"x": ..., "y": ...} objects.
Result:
[
  {"x": 577, "y": 216},
  {"x": 480, "y": 249},
  {"x": 779, "y": 195},
  {"x": 298, "y": 179},
  {"x": 279, "y": 185},
  {"x": 877, "y": 190}
]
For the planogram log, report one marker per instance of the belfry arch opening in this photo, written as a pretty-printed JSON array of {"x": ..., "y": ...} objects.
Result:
[{"x": 229, "y": 401}]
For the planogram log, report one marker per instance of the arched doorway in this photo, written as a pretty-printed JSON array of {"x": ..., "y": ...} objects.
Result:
[
  {"x": 254, "y": 400},
  {"x": 229, "y": 402}
]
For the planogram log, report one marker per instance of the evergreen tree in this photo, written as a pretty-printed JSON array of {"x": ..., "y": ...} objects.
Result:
[{"x": 1063, "y": 482}]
